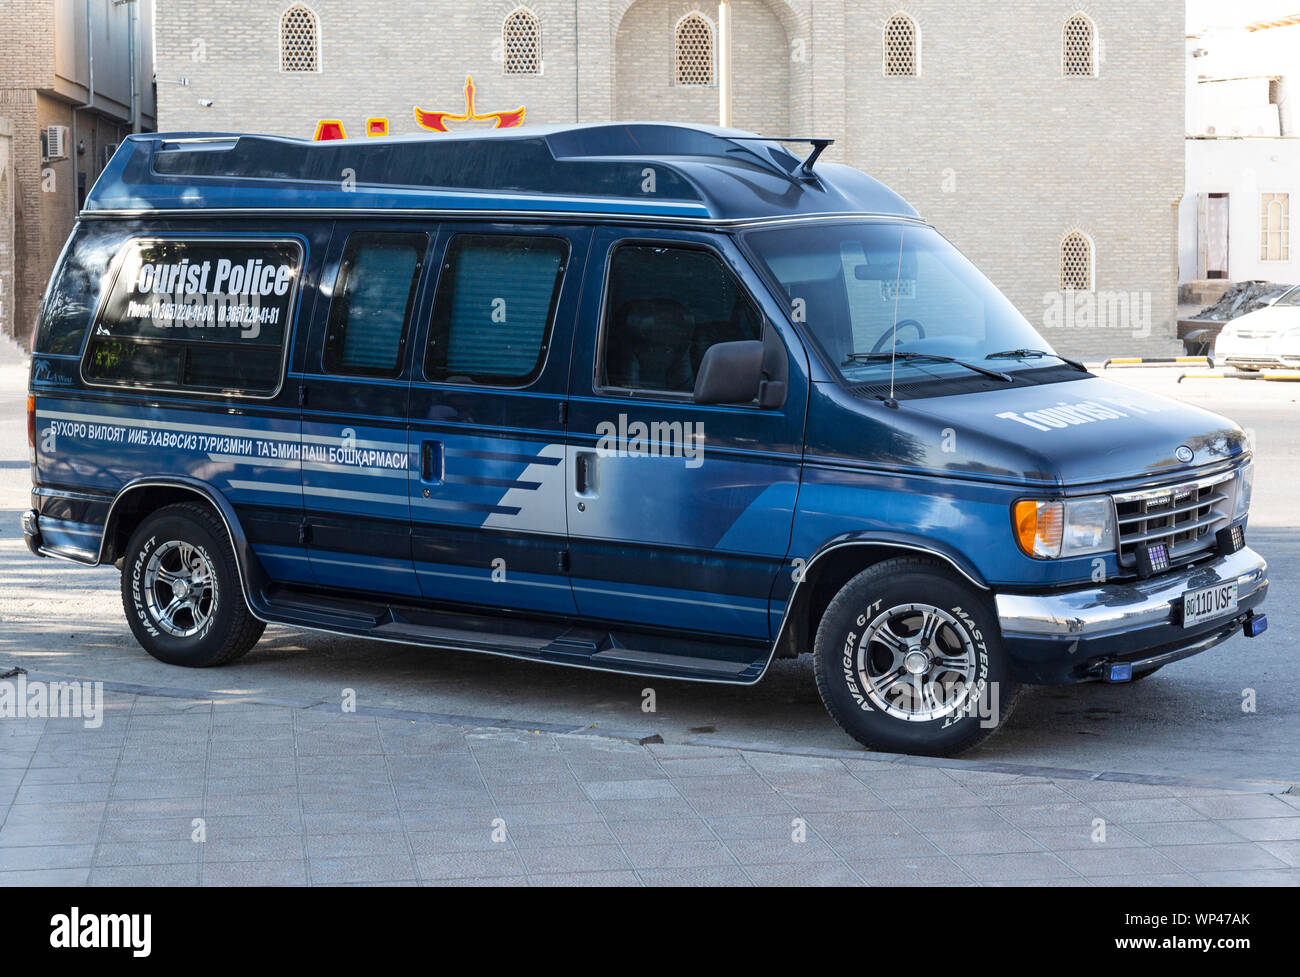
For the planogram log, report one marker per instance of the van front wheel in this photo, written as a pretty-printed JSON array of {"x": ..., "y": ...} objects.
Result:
[
  {"x": 181, "y": 589},
  {"x": 908, "y": 660}
]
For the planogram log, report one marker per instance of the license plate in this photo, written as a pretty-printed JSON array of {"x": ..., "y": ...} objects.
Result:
[{"x": 1209, "y": 602}]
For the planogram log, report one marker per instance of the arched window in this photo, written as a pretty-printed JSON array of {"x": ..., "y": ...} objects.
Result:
[
  {"x": 902, "y": 46},
  {"x": 299, "y": 40},
  {"x": 1079, "y": 47},
  {"x": 694, "y": 59},
  {"x": 521, "y": 38},
  {"x": 1076, "y": 263}
]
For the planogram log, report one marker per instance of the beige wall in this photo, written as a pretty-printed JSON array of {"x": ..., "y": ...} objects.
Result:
[
  {"x": 991, "y": 143},
  {"x": 7, "y": 226}
]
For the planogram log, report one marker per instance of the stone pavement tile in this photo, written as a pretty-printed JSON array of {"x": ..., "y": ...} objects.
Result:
[
  {"x": 526, "y": 773},
  {"x": 992, "y": 841},
  {"x": 166, "y": 770},
  {"x": 812, "y": 802},
  {"x": 681, "y": 854},
  {"x": 147, "y": 829},
  {"x": 661, "y": 831},
  {"x": 433, "y": 797},
  {"x": 1265, "y": 829},
  {"x": 556, "y": 835},
  {"x": 247, "y": 805},
  {"x": 145, "y": 875},
  {"x": 922, "y": 870},
  {"x": 361, "y": 868},
  {"x": 900, "y": 843},
  {"x": 805, "y": 874},
  {"x": 477, "y": 838},
  {"x": 927, "y": 797},
  {"x": 424, "y": 819},
  {"x": 1104, "y": 860},
  {"x": 1287, "y": 851},
  {"x": 898, "y": 776},
  {"x": 146, "y": 853},
  {"x": 357, "y": 843},
  {"x": 1233, "y": 806},
  {"x": 1286, "y": 878},
  {"x": 1019, "y": 865},
  {"x": 623, "y": 790},
  {"x": 698, "y": 876},
  {"x": 149, "y": 752},
  {"x": 765, "y": 851},
  {"x": 490, "y": 881},
  {"x": 774, "y": 827},
  {"x": 45, "y": 857},
  {"x": 1290, "y": 799},
  {"x": 46, "y": 877},
  {"x": 20, "y": 814},
  {"x": 370, "y": 801},
  {"x": 1021, "y": 795},
  {"x": 647, "y": 809},
  {"x": 966, "y": 775},
  {"x": 954, "y": 819},
  {"x": 816, "y": 781},
  {"x": 500, "y": 862},
  {"x": 723, "y": 804},
  {"x": 547, "y": 813},
  {"x": 738, "y": 785},
  {"x": 555, "y": 792},
  {"x": 148, "y": 790},
  {"x": 665, "y": 750},
  {"x": 269, "y": 848},
  {"x": 1112, "y": 790},
  {"x": 1147, "y": 809},
  {"x": 601, "y": 879},
  {"x": 1220, "y": 858},
  {"x": 706, "y": 766},
  {"x": 1148, "y": 881},
  {"x": 589, "y": 770},
  {"x": 1178, "y": 833},
  {"x": 1081, "y": 836},
  {"x": 261, "y": 825},
  {"x": 1060, "y": 882},
  {"x": 56, "y": 833},
  {"x": 61, "y": 793},
  {"x": 1068, "y": 815},
  {"x": 593, "y": 858},
  {"x": 58, "y": 775},
  {"x": 291, "y": 871}
]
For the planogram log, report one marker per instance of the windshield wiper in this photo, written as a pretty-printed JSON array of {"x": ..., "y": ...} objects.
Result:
[
  {"x": 932, "y": 357},
  {"x": 1033, "y": 354}
]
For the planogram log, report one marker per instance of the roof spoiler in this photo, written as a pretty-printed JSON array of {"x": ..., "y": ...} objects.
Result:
[{"x": 805, "y": 171}]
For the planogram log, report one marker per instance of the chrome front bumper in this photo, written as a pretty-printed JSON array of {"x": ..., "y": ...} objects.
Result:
[{"x": 1119, "y": 608}]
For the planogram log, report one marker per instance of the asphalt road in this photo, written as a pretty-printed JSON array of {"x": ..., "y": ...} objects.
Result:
[{"x": 1188, "y": 719}]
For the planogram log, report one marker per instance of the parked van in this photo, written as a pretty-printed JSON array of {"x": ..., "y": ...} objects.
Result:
[{"x": 660, "y": 400}]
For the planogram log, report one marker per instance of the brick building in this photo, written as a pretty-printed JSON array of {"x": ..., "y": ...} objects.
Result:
[
  {"x": 1044, "y": 138},
  {"x": 66, "y": 94}
]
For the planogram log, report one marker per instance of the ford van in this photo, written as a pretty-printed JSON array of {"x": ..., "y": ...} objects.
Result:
[{"x": 660, "y": 400}]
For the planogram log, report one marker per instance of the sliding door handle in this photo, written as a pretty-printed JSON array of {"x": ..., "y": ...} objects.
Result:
[
  {"x": 584, "y": 474},
  {"x": 431, "y": 461}
]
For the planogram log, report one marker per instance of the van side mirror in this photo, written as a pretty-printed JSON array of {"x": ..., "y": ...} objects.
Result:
[{"x": 730, "y": 373}]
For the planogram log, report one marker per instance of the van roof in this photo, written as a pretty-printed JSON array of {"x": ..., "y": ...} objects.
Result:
[{"x": 644, "y": 170}]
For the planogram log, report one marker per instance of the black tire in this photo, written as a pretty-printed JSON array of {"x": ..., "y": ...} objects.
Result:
[
  {"x": 213, "y": 626},
  {"x": 903, "y": 592}
]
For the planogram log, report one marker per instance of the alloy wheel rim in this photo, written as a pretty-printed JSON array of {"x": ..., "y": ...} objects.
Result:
[
  {"x": 180, "y": 588},
  {"x": 916, "y": 662}
]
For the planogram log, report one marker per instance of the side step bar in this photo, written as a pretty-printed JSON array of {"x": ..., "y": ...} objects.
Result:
[{"x": 552, "y": 641}]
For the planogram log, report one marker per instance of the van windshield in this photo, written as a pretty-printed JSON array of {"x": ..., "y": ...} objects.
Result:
[{"x": 878, "y": 288}]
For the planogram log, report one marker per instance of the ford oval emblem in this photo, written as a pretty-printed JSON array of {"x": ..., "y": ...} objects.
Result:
[{"x": 1184, "y": 454}]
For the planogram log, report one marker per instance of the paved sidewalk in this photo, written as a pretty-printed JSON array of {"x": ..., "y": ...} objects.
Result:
[{"x": 291, "y": 796}]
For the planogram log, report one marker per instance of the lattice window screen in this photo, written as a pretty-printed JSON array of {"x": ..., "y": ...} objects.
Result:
[
  {"x": 1076, "y": 263},
  {"x": 694, "y": 63},
  {"x": 1275, "y": 227},
  {"x": 299, "y": 42},
  {"x": 1079, "y": 47},
  {"x": 900, "y": 46},
  {"x": 522, "y": 36}
]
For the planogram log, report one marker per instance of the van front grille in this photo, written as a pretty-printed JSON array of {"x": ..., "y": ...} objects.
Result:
[{"x": 1183, "y": 517}]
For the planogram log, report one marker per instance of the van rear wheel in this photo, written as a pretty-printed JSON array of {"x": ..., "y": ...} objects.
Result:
[
  {"x": 908, "y": 659},
  {"x": 181, "y": 589}
]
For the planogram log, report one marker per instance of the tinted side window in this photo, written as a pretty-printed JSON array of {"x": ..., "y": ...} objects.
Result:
[
  {"x": 664, "y": 307},
  {"x": 495, "y": 303},
  {"x": 371, "y": 310},
  {"x": 75, "y": 294},
  {"x": 204, "y": 315}
]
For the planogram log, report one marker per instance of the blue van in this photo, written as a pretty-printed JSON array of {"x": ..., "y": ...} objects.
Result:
[{"x": 662, "y": 400}]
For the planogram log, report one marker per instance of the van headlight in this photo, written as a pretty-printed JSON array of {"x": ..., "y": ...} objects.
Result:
[
  {"x": 1245, "y": 488},
  {"x": 1048, "y": 530}
]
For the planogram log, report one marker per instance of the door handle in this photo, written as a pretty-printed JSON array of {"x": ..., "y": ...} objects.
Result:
[
  {"x": 431, "y": 461},
  {"x": 584, "y": 474}
]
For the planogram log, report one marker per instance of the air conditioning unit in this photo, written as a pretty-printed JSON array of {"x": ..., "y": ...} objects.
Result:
[
  {"x": 54, "y": 143},
  {"x": 106, "y": 153}
]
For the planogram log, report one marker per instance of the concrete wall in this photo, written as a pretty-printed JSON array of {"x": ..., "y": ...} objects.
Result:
[{"x": 1243, "y": 169}]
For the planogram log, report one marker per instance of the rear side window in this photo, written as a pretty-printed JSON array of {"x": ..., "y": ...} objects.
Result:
[
  {"x": 664, "y": 307},
  {"x": 371, "y": 311},
  {"x": 75, "y": 294},
  {"x": 495, "y": 303},
  {"x": 202, "y": 315}
]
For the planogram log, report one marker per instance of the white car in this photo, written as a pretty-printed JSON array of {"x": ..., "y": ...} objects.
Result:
[{"x": 1263, "y": 339}]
